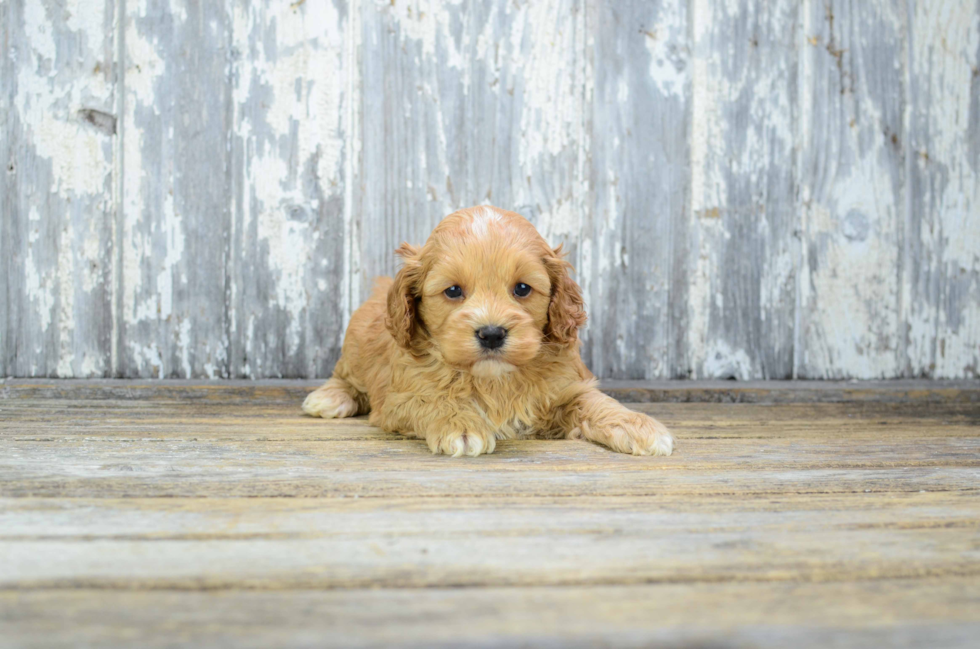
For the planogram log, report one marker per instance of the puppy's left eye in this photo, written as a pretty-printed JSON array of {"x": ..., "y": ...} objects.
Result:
[{"x": 522, "y": 290}]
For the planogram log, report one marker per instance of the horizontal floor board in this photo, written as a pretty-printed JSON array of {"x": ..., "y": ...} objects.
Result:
[
  {"x": 895, "y": 391},
  {"x": 202, "y": 450},
  {"x": 44, "y": 419},
  {"x": 773, "y": 524},
  {"x": 480, "y": 561},
  {"x": 274, "y": 544},
  {"x": 82, "y": 516},
  {"x": 894, "y": 613},
  {"x": 145, "y": 467},
  {"x": 198, "y": 484}
]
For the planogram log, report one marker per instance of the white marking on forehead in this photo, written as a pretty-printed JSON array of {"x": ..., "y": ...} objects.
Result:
[
  {"x": 481, "y": 316},
  {"x": 482, "y": 218}
]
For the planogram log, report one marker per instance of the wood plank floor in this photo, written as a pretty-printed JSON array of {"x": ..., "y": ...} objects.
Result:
[{"x": 164, "y": 514}]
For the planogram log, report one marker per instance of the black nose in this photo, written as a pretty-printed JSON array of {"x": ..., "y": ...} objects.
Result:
[{"x": 491, "y": 337}]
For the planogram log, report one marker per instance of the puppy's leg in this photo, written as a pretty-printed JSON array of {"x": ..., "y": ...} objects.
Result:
[
  {"x": 447, "y": 428},
  {"x": 334, "y": 399},
  {"x": 599, "y": 418}
]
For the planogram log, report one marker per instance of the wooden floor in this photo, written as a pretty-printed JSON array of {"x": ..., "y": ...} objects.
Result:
[{"x": 149, "y": 514}]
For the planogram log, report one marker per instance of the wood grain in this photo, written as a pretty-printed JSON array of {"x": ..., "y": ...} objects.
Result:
[
  {"x": 913, "y": 613},
  {"x": 173, "y": 241},
  {"x": 747, "y": 191},
  {"x": 633, "y": 254},
  {"x": 286, "y": 272},
  {"x": 402, "y": 542},
  {"x": 741, "y": 267},
  {"x": 56, "y": 206},
  {"x": 853, "y": 190},
  {"x": 463, "y": 104},
  {"x": 763, "y": 392},
  {"x": 943, "y": 165},
  {"x": 148, "y": 513}
]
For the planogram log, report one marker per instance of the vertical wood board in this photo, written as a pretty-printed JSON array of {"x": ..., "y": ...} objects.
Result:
[
  {"x": 942, "y": 250},
  {"x": 747, "y": 190},
  {"x": 56, "y": 188},
  {"x": 467, "y": 104},
  {"x": 640, "y": 177},
  {"x": 287, "y": 236},
  {"x": 741, "y": 296},
  {"x": 852, "y": 184},
  {"x": 176, "y": 201}
]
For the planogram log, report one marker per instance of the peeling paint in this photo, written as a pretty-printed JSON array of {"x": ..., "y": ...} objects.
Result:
[
  {"x": 66, "y": 303},
  {"x": 57, "y": 171},
  {"x": 748, "y": 190},
  {"x": 723, "y": 362},
  {"x": 666, "y": 43},
  {"x": 943, "y": 273},
  {"x": 742, "y": 188}
]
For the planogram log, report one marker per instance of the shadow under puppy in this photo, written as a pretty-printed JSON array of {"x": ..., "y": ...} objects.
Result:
[{"x": 475, "y": 340}]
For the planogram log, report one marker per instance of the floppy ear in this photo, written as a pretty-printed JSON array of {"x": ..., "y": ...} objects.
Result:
[
  {"x": 566, "y": 313},
  {"x": 402, "y": 296}
]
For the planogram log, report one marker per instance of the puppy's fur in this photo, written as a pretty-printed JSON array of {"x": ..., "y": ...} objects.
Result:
[{"x": 413, "y": 356}]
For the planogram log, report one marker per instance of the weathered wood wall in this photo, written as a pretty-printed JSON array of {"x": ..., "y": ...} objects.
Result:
[{"x": 749, "y": 190}]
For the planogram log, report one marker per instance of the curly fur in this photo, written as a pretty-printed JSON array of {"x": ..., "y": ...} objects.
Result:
[{"x": 411, "y": 357}]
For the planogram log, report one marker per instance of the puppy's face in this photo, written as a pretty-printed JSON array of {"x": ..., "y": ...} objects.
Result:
[
  {"x": 485, "y": 297},
  {"x": 486, "y": 291}
]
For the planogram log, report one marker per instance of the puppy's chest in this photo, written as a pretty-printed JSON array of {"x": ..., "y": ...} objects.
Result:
[
  {"x": 514, "y": 428},
  {"x": 511, "y": 416}
]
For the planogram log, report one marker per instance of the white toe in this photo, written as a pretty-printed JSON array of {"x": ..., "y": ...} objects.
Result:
[
  {"x": 459, "y": 446},
  {"x": 663, "y": 444},
  {"x": 329, "y": 404}
]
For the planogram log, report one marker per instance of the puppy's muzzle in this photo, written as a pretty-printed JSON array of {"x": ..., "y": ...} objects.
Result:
[{"x": 491, "y": 337}]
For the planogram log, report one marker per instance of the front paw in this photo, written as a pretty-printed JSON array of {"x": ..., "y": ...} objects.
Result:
[
  {"x": 458, "y": 444},
  {"x": 630, "y": 432},
  {"x": 329, "y": 402}
]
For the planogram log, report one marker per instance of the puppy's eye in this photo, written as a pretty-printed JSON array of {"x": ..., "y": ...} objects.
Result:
[
  {"x": 453, "y": 292},
  {"x": 522, "y": 290}
]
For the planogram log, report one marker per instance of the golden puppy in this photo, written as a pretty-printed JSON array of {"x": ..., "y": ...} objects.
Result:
[{"x": 476, "y": 340}]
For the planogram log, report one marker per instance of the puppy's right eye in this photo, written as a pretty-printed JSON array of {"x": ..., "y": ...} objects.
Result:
[{"x": 453, "y": 292}]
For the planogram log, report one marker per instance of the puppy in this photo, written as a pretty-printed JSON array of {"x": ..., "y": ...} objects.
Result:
[{"x": 475, "y": 340}]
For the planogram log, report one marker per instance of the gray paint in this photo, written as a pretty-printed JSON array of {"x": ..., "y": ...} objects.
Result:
[
  {"x": 287, "y": 238},
  {"x": 637, "y": 240},
  {"x": 942, "y": 278},
  {"x": 747, "y": 191},
  {"x": 742, "y": 217},
  {"x": 173, "y": 319},
  {"x": 852, "y": 190},
  {"x": 55, "y": 189}
]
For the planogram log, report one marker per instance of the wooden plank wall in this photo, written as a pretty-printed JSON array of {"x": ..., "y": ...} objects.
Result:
[{"x": 749, "y": 190}]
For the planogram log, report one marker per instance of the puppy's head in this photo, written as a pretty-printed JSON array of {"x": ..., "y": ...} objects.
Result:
[{"x": 487, "y": 291}]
